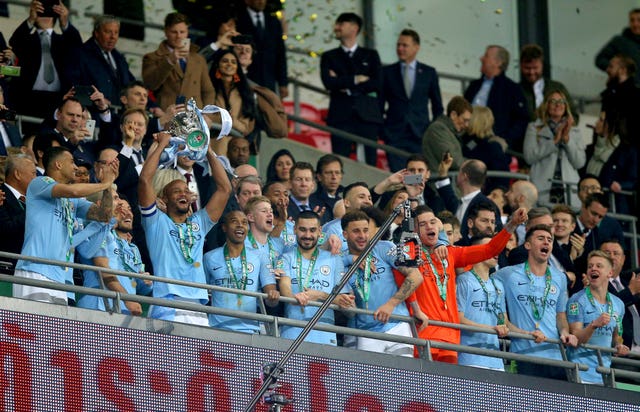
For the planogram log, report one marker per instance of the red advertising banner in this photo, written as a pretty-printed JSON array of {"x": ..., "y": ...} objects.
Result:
[{"x": 58, "y": 364}]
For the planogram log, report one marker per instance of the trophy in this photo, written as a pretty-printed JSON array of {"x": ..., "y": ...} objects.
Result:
[{"x": 190, "y": 133}]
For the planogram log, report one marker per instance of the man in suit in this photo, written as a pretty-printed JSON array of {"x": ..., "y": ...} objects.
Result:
[
  {"x": 43, "y": 55},
  {"x": 627, "y": 288},
  {"x": 591, "y": 225},
  {"x": 502, "y": 95},
  {"x": 329, "y": 173},
  {"x": 302, "y": 185},
  {"x": 19, "y": 172},
  {"x": 99, "y": 63},
  {"x": 269, "y": 65},
  {"x": 407, "y": 88},
  {"x": 9, "y": 133},
  {"x": 352, "y": 76},
  {"x": 534, "y": 85}
]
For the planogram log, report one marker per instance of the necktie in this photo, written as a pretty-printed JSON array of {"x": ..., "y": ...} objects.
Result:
[
  {"x": 183, "y": 65},
  {"x": 259, "y": 26},
  {"x": 617, "y": 284},
  {"x": 47, "y": 60},
  {"x": 22, "y": 199},
  {"x": 138, "y": 156},
  {"x": 189, "y": 177},
  {"x": 304, "y": 207},
  {"x": 406, "y": 80},
  {"x": 3, "y": 148},
  {"x": 111, "y": 62}
]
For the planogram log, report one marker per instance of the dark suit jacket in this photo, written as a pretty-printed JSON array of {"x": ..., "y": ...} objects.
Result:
[
  {"x": 90, "y": 67},
  {"x": 270, "y": 60},
  {"x": 26, "y": 45},
  {"x": 13, "y": 133},
  {"x": 321, "y": 198},
  {"x": 609, "y": 228},
  {"x": 549, "y": 85},
  {"x": 464, "y": 229},
  {"x": 509, "y": 108},
  {"x": 293, "y": 211},
  {"x": 361, "y": 105},
  {"x": 409, "y": 112},
  {"x": 629, "y": 300},
  {"x": 12, "y": 218}
]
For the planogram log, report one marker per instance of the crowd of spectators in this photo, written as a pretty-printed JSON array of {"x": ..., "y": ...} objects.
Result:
[{"x": 102, "y": 197}]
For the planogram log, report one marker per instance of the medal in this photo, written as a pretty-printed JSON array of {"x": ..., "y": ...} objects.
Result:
[
  {"x": 441, "y": 280},
  {"x": 196, "y": 264},
  {"x": 532, "y": 301},
  {"x": 363, "y": 282},
  {"x": 587, "y": 291},
  {"x": 242, "y": 282},
  {"x": 186, "y": 241}
]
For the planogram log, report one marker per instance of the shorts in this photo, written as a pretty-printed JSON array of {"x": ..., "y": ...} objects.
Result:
[
  {"x": 179, "y": 315},
  {"x": 40, "y": 294},
  {"x": 392, "y": 348}
]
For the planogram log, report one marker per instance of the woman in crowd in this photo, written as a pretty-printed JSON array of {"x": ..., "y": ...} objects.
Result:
[
  {"x": 232, "y": 92},
  {"x": 555, "y": 150},
  {"x": 279, "y": 167},
  {"x": 480, "y": 143}
]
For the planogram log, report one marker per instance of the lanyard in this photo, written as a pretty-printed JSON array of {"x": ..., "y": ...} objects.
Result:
[
  {"x": 441, "y": 280},
  {"x": 587, "y": 291},
  {"x": 137, "y": 260},
  {"x": 66, "y": 206},
  {"x": 532, "y": 301},
  {"x": 242, "y": 282},
  {"x": 363, "y": 283},
  {"x": 494, "y": 305},
  {"x": 272, "y": 250},
  {"x": 304, "y": 285},
  {"x": 186, "y": 242}
]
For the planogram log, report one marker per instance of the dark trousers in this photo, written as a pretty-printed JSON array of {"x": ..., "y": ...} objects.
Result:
[
  {"x": 344, "y": 147},
  {"x": 543, "y": 371}
]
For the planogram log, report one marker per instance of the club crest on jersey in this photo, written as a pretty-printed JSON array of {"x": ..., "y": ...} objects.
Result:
[
  {"x": 250, "y": 267},
  {"x": 195, "y": 226},
  {"x": 325, "y": 270},
  {"x": 553, "y": 290}
]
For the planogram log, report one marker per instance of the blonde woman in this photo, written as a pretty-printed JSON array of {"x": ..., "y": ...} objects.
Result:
[{"x": 555, "y": 150}]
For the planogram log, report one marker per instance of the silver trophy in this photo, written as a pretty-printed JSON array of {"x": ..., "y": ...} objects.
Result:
[{"x": 190, "y": 133}]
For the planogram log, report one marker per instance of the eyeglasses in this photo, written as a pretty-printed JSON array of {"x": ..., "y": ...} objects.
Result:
[
  {"x": 557, "y": 101},
  {"x": 592, "y": 188}
]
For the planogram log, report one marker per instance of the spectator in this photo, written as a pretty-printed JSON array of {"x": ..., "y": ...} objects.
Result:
[
  {"x": 302, "y": 186},
  {"x": 43, "y": 55},
  {"x": 555, "y": 150},
  {"x": 627, "y": 43},
  {"x": 329, "y": 175},
  {"x": 279, "y": 167},
  {"x": 19, "y": 171},
  {"x": 524, "y": 194},
  {"x": 626, "y": 286},
  {"x": 269, "y": 66},
  {"x": 538, "y": 310},
  {"x": 606, "y": 138},
  {"x": 595, "y": 318},
  {"x": 377, "y": 290},
  {"x": 232, "y": 92},
  {"x": 395, "y": 230},
  {"x": 220, "y": 33},
  {"x": 240, "y": 270},
  {"x": 310, "y": 274},
  {"x": 621, "y": 96},
  {"x": 238, "y": 151},
  {"x": 480, "y": 299},
  {"x": 9, "y": 133},
  {"x": 451, "y": 226},
  {"x": 442, "y": 136},
  {"x": 437, "y": 294},
  {"x": 620, "y": 172},
  {"x": 481, "y": 221},
  {"x": 502, "y": 95},
  {"x": 175, "y": 72},
  {"x": 498, "y": 196},
  {"x": 351, "y": 74},
  {"x": 407, "y": 88},
  {"x": 134, "y": 128},
  {"x": 53, "y": 202},
  {"x": 534, "y": 85},
  {"x": 567, "y": 245},
  {"x": 99, "y": 63},
  {"x": 480, "y": 143},
  {"x": 181, "y": 259}
]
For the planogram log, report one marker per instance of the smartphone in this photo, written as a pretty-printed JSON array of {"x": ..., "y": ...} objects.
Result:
[
  {"x": 82, "y": 93},
  {"x": 3, "y": 43},
  {"x": 412, "y": 179},
  {"x": 8, "y": 115},
  {"x": 181, "y": 99},
  {"x": 242, "y": 39},
  {"x": 91, "y": 127},
  {"x": 446, "y": 155},
  {"x": 48, "y": 8},
  {"x": 13, "y": 71},
  {"x": 186, "y": 43}
]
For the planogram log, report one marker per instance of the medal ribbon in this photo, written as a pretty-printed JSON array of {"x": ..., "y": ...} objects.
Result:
[
  {"x": 587, "y": 291},
  {"x": 66, "y": 206},
  {"x": 494, "y": 306},
  {"x": 363, "y": 283},
  {"x": 272, "y": 251},
  {"x": 547, "y": 287},
  {"x": 186, "y": 242},
  {"x": 137, "y": 260},
  {"x": 312, "y": 263},
  {"x": 441, "y": 280},
  {"x": 242, "y": 282}
]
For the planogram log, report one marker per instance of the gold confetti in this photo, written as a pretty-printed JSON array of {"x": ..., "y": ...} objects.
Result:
[
  {"x": 498, "y": 11},
  {"x": 313, "y": 17}
]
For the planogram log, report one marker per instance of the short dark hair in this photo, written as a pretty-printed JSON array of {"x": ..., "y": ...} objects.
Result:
[
  {"x": 327, "y": 159},
  {"x": 352, "y": 18},
  {"x": 268, "y": 185},
  {"x": 536, "y": 212},
  {"x": 417, "y": 158},
  {"x": 421, "y": 210},
  {"x": 353, "y": 216},
  {"x": 347, "y": 189},
  {"x": 446, "y": 216},
  {"x": 597, "y": 197},
  {"x": 135, "y": 83},
  {"x": 175, "y": 18},
  {"x": 44, "y": 141},
  {"x": 459, "y": 105},
  {"x": 487, "y": 205},
  {"x": 411, "y": 33},
  {"x": 628, "y": 63},
  {"x": 475, "y": 240},
  {"x": 69, "y": 99},
  {"x": 307, "y": 214},
  {"x": 52, "y": 154},
  {"x": 133, "y": 110},
  {"x": 530, "y": 232},
  {"x": 530, "y": 52},
  {"x": 300, "y": 166}
]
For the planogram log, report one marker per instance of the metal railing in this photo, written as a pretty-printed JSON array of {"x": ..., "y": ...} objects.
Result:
[{"x": 571, "y": 367}]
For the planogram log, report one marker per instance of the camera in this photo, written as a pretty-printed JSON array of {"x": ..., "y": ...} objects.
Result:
[
  {"x": 8, "y": 114},
  {"x": 242, "y": 39}
]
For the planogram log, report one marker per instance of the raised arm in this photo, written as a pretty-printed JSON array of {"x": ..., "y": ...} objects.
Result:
[
  {"x": 217, "y": 202},
  {"x": 146, "y": 194}
]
